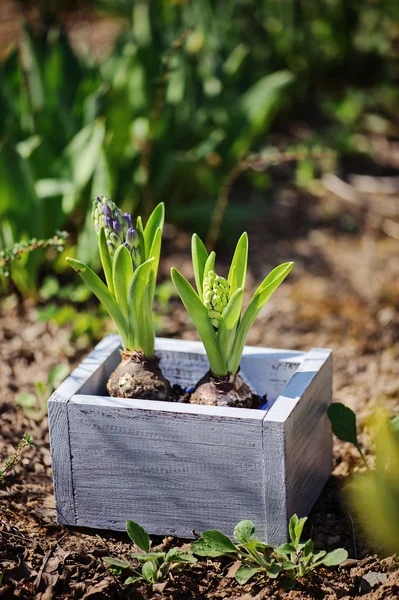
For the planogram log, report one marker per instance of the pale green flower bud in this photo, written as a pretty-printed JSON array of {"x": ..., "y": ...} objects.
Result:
[{"x": 216, "y": 294}]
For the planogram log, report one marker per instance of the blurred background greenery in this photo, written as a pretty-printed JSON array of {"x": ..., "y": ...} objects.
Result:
[{"x": 175, "y": 100}]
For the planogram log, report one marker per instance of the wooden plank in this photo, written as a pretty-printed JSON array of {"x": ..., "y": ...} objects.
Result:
[
  {"x": 171, "y": 472},
  {"x": 308, "y": 436},
  {"x": 298, "y": 444},
  {"x": 274, "y": 477},
  {"x": 91, "y": 368}
]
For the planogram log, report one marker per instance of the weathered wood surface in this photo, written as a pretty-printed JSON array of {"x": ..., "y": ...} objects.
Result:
[
  {"x": 90, "y": 370},
  {"x": 298, "y": 443},
  {"x": 178, "y": 468}
]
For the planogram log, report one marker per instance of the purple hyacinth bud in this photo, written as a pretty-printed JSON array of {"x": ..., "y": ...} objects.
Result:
[
  {"x": 117, "y": 227},
  {"x": 132, "y": 237},
  {"x": 108, "y": 223},
  {"x": 126, "y": 245},
  {"x": 128, "y": 220},
  {"x": 118, "y": 215},
  {"x": 107, "y": 211}
]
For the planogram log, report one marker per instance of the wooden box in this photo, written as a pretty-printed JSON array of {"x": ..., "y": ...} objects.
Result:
[{"x": 178, "y": 469}]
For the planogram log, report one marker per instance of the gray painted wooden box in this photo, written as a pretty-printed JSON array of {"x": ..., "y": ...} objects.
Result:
[{"x": 180, "y": 468}]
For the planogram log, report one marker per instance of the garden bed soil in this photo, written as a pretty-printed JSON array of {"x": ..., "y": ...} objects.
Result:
[{"x": 343, "y": 294}]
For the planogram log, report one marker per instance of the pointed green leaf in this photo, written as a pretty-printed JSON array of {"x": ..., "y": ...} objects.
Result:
[
  {"x": 244, "y": 573},
  {"x": 228, "y": 324},
  {"x": 291, "y": 527},
  {"x": 244, "y": 532},
  {"x": 105, "y": 259},
  {"x": 240, "y": 262},
  {"x": 103, "y": 294},
  {"x": 156, "y": 220},
  {"x": 199, "y": 315},
  {"x": 232, "y": 279},
  {"x": 199, "y": 258},
  {"x": 140, "y": 231},
  {"x": 139, "y": 307},
  {"x": 122, "y": 273},
  {"x": 138, "y": 535},
  {"x": 155, "y": 253},
  {"x": 259, "y": 299}
]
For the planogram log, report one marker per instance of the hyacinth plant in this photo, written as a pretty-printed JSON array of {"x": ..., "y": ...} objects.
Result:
[
  {"x": 216, "y": 310},
  {"x": 130, "y": 258}
]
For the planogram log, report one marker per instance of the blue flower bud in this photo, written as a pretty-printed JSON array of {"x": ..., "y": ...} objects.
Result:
[
  {"x": 132, "y": 238},
  {"x": 108, "y": 223},
  {"x": 107, "y": 211},
  {"x": 127, "y": 220},
  {"x": 117, "y": 227}
]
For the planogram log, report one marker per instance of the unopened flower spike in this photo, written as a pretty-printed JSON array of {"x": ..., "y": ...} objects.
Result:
[
  {"x": 216, "y": 310},
  {"x": 130, "y": 257}
]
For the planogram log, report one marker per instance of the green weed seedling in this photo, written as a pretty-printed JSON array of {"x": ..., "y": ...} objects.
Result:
[
  {"x": 154, "y": 566},
  {"x": 298, "y": 558},
  {"x": 35, "y": 405},
  {"x": 14, "y": 459},
  {"x": 291, "y": 561}
]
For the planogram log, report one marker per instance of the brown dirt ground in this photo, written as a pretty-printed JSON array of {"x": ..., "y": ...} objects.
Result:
[{"x": 343, "y": 294}]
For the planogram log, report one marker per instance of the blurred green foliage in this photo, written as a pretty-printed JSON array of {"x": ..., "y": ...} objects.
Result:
[{"x": 156, "y": 120}]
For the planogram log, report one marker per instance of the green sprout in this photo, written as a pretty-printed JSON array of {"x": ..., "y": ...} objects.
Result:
[
  {"x": 216, "y": 306},
  {"x": 154, "y": 565},
  {"x": 289, "y": 562},
  {"x": 130, "y": 259}
]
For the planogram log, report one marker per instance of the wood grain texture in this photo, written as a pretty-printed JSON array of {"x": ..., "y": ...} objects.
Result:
[
  {"x": 172, "y": 472},
  {"x": 91, "y": 369},
  {"x": 298, "y": 443},
  {"x": 179, "y": 468}
]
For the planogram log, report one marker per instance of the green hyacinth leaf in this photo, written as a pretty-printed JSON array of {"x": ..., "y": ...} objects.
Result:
[
  {"x": 199, "y": 315},
  {"x": 259, "y": 299},
  {"x": 228, "y": 324},
  {"x": 100, "y": 290},
  {"x": 140, "y": 231},
  {"x": 105, "y": 259},
  {"x": 240, "y": 263},
  {"x": 155, "y": 221},
  {"x": 232, "y": 279},
  {"x": 155, "y": 253},
  {"x": 139, "y": 307},
  {"x": 122, "y": 273},
  {"x": 199, "y": 258},
  {"x": 148, "y": 329}
]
